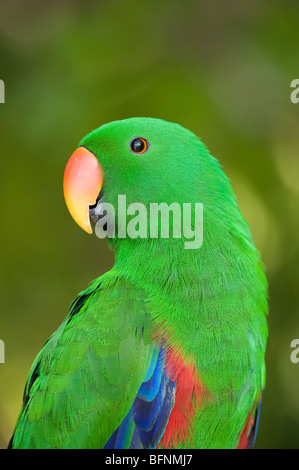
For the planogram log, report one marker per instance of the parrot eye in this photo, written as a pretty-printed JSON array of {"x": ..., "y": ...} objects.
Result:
[{"x": 139, "y": 145}]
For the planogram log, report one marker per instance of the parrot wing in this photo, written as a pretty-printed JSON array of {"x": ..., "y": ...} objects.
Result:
[
  {"x": 96, "y": 372},
  {"x": 147, "y": 418}
]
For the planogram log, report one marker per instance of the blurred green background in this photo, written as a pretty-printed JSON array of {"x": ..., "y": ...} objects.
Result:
[{"x": 222, "y": 69}]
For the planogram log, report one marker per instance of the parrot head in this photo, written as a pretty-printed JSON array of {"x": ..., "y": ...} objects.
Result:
[{"x": 147, "y": 160}]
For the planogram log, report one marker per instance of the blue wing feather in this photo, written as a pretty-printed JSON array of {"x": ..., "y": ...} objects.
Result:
[
  {"x": 147, "y": 419},
  {"x": 254, "y": 429}
]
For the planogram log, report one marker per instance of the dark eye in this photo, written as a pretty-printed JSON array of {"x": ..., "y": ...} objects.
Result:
[{"x": 139, "y": 145}]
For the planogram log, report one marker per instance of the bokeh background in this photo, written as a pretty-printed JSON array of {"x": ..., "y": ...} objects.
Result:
[{"x": 222, "y": 69}]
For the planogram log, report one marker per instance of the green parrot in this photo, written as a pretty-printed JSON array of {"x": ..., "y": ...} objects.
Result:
[{"x": 167, "y": 349}]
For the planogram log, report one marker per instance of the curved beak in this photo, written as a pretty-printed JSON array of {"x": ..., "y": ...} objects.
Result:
[{"x": 82, "y": 182}]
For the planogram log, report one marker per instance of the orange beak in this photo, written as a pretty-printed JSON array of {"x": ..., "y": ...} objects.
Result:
[{"x": 82, "y": 182}]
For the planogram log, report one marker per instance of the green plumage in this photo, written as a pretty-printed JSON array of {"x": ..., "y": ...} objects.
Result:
[{"x": 212, "y": 303}]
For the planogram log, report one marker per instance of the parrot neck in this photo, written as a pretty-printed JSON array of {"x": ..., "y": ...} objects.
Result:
[
  {"x": 157, "y": 265},
  {"x": 166, "y": 272}
]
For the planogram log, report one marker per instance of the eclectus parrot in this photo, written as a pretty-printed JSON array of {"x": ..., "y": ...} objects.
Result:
[{"x": 166, "y": 350}]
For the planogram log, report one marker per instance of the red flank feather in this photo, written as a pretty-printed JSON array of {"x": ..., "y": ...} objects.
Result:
[
  {"x": 245, "y": 434},
  {"x": 188, "y": 396}
]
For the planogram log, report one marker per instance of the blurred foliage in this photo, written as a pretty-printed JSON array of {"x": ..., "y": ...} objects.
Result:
[{"x": 222, "y": 69}]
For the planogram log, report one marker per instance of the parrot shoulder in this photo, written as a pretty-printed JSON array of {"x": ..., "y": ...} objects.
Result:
[{"x": 86, "y": 376}]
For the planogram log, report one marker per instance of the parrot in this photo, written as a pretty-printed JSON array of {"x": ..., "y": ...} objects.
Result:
[{"x": 166, "y": 350}]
